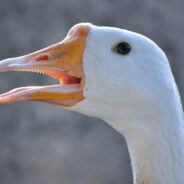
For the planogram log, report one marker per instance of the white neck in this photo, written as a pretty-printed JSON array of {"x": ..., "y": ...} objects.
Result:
[
  {"x": 157, "y": 157},
  {"x": 156, "y": 145}
]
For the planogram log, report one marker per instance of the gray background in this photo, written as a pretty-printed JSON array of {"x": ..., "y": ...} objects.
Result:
[{"x": 44, "y": 144}]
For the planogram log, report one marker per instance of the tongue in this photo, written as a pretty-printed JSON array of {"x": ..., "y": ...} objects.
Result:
[{"x": 66, "y": 79}]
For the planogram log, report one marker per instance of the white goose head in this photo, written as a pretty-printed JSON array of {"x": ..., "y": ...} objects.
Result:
[
  {"x": 121, "y": 77},
  {"x": 125, "y": 72}
]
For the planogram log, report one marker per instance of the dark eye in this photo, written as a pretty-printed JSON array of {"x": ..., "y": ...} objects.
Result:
[{"x": 122, "y": 48}]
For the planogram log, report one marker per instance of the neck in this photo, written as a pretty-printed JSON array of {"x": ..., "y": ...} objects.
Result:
[
  {"x": 156, "y": 144},
  {"x": 157, "y": 156}
]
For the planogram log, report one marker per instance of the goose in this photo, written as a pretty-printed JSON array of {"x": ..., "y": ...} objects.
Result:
[{"x": 121, "y": 77}]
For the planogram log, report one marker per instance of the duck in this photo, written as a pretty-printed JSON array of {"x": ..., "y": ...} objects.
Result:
[{"x": 121, "y": 77}]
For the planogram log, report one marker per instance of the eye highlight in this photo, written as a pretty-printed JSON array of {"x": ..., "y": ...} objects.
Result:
[{"x": 122, "y": 48}]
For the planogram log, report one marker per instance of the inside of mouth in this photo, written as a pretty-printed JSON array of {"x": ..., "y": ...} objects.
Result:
[
  {"x": 64, "y": 80},
  {"x": 63, "y": 77},
  {"x": 68, "y": 79}
]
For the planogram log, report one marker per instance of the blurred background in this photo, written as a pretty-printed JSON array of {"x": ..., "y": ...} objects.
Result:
[{"x": 44, "y": 144}]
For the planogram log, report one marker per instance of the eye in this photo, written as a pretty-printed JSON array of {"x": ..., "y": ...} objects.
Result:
[{"x": 122, "y": 48}]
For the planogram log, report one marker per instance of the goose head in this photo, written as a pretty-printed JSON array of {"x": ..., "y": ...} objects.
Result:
[
  {"x": 103, "y": 72},
  {"x": 125, "y": 74}
]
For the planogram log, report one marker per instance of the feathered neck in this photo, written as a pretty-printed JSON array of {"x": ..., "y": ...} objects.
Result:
[
  {"x": 156, "y": 143},
  {"x": 157, "y": 155}
]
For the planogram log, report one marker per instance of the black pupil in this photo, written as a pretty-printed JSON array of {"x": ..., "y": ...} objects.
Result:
[{"x": 123, "y": 48}]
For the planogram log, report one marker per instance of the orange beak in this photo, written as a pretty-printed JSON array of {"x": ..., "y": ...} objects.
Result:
[{"x": 63, "y": 61}]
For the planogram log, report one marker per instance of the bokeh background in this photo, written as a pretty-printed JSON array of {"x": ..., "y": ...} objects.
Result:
[{"x": 44, "y": 144}]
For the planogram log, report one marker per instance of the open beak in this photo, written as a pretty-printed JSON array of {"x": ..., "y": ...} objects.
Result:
[{"x": 63, "y": 61}]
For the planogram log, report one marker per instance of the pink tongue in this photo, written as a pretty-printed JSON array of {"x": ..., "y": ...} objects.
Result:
[{"x": 66, "y": 79}]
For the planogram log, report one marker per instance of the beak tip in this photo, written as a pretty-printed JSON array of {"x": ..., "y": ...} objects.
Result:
[{"x": 10, "y": 64}]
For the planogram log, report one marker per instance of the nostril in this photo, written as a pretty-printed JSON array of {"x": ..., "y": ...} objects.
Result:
[{"x": 42, "y": 58}]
